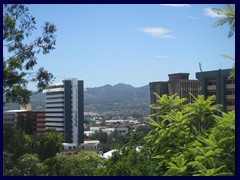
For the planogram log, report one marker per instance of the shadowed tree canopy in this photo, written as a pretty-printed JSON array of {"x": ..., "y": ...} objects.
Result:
[{"x": 19, "y": 53}]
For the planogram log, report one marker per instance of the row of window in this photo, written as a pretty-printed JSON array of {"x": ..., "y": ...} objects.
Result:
[
  {"x": 213, "y": 82},
  {"x": 230, "y": 102},
  {"x": 193, "y": 85},
  {"x": 230, "y": 81},
  {"x": 230, "y": 92}
]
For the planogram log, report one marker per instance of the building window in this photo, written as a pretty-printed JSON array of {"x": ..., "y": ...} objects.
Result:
[
  {"x": 231, "y": 103},
  {"x": 210, "y": 93},
  {"x": 211, "y": 82},
  {"x": 230, "y": 92},
  {"x": 231, "y": 81}
]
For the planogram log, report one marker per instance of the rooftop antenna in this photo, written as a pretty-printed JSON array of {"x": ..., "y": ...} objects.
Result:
[{"x": 200, "y": 66}]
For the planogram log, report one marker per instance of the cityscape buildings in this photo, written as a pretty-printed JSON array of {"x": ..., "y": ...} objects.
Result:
[
  {"x": 179, "y": 84},
  {"x": 217, "y": 83},
  {"x": 31, "y": 121},
  {"x": 64, "y": 109}
]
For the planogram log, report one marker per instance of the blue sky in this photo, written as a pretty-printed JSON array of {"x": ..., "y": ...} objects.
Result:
[{"x": 133, "y": 44}]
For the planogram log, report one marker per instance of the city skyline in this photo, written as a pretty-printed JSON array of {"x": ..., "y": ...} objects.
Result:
[{"x": 133, "y": 44}]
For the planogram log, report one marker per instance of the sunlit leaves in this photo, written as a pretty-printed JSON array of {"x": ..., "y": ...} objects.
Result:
[
  {"x": 229, "y": 17},
  {"x": 193, "y": 140},
  {"x": 20, "y": 54}
]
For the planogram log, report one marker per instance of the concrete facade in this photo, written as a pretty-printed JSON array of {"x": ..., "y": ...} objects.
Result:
[
  {"x": 217, "y": 83},
  {"x": 179, "y": 84},
  {"x": 64, "y": 109}
]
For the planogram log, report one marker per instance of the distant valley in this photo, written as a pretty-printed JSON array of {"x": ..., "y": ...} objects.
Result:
[{"x": 122, "y": 99}]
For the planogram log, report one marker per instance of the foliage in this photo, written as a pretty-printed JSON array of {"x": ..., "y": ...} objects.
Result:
[
  {"x": 82, "y": 164},
  {"x": 20, "y": 148},
  {"x": 20, "y": 54},
  {"x": 196, "y": 139},
  {"x": 7, "y": 163},
  {"x": 232, "y": 73},
  {"x": 187, "y": 140},
  {"x": 49, "y": 144},
  {"x": 165, "y": 104},
  {"x": 128, "y": 162},
  {"x": 29, "y": 165},
  {"x": 183, "y": 147},
  {"x": 114, "y": 140},
  {"x": 203, "y": 110},
  {"x": 16, "y": 142},
  {"x": 228, "y": 17}
]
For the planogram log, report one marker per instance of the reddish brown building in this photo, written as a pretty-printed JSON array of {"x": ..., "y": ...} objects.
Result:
[
  {"x": 179, "y": 84},
  {"x": 32, "y": 122}
]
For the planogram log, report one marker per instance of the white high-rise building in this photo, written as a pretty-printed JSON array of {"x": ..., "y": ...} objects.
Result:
[{"x": 64, "y": 109}]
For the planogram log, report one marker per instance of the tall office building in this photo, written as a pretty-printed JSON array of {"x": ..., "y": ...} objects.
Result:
[
  {"x": 64, "y": 109},
  {"x": 217, "y": 83},
  {"x": 179, "y": 84}
]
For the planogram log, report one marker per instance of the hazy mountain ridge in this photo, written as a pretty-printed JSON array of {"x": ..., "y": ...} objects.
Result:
[{"x": 122, "y": 98}]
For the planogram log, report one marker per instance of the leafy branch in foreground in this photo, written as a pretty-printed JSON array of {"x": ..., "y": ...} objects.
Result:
[{"x": 20, "y": 54}]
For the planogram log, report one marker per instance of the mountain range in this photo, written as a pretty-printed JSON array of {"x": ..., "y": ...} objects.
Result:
[{"x": 118, "y": 99}]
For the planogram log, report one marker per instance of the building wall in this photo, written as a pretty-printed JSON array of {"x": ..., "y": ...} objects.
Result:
[
  {"x": 80, "y": 112},
  {"x": 217, "y": 83},
  {"x": 68, "y": 134},
  {"x": 160, "y": 88},
  {"x": 40, "y": 124},
  {"x": 54, "y": 107},
  {"x": 178, "y": 84},
  {"x": 10, "y": 118},
  {"x": 32, "y": 122},
  {"x": 64, "y": 107}
]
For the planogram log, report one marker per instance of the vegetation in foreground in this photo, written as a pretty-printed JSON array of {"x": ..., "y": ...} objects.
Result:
[{"x": 196, "y": 139}]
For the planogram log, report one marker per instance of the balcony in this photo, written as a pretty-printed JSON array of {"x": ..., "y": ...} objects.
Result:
[
  {"x": 228, "y": 97},
  {"x": 54, "y": 119},
  {"x": 54, "y": 96},
  {"x": 230, "y": 86},
  {"x": 230, "y": 108},
  {"x": 54, "y": 100},
  {"x": 212, "y": 87},
  {"x": 54, "y": 124}
]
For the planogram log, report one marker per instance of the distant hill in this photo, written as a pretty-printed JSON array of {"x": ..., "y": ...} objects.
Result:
[
  {"x": 120, "y": 98},
  {"x": 37, "y": 101}
]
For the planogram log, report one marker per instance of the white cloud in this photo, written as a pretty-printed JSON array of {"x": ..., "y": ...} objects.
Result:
[
  {"x": 162, "y": 56},
  {"x": 157, "y": 31},
  {"x": 192, "y": 17},
  {"x": 208, "y": 12},
  {"x": 188, "y": 17},
  {"x": 176, "y": 5}
]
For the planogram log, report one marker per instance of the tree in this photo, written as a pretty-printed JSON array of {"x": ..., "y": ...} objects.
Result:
[
  {"x": 196, "y": 140},
  {"x": 20, "y": 54},
  {"x": 228, "y": 17},
  {"x": 49, "y": 144},
  {"x": 232, "y": 73},
  {"x": 128, "y": 161},
  {"x": 29, "y": 165},
  {"x": 82, "y": 164},
  {"x": 7, "y": 163},
  {"x": 16, "y": 142}
]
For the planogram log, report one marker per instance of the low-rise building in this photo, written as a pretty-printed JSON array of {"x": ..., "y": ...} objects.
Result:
[
  {"x": 31, "y": 121},
  {"x": 93, "y": 146}
]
